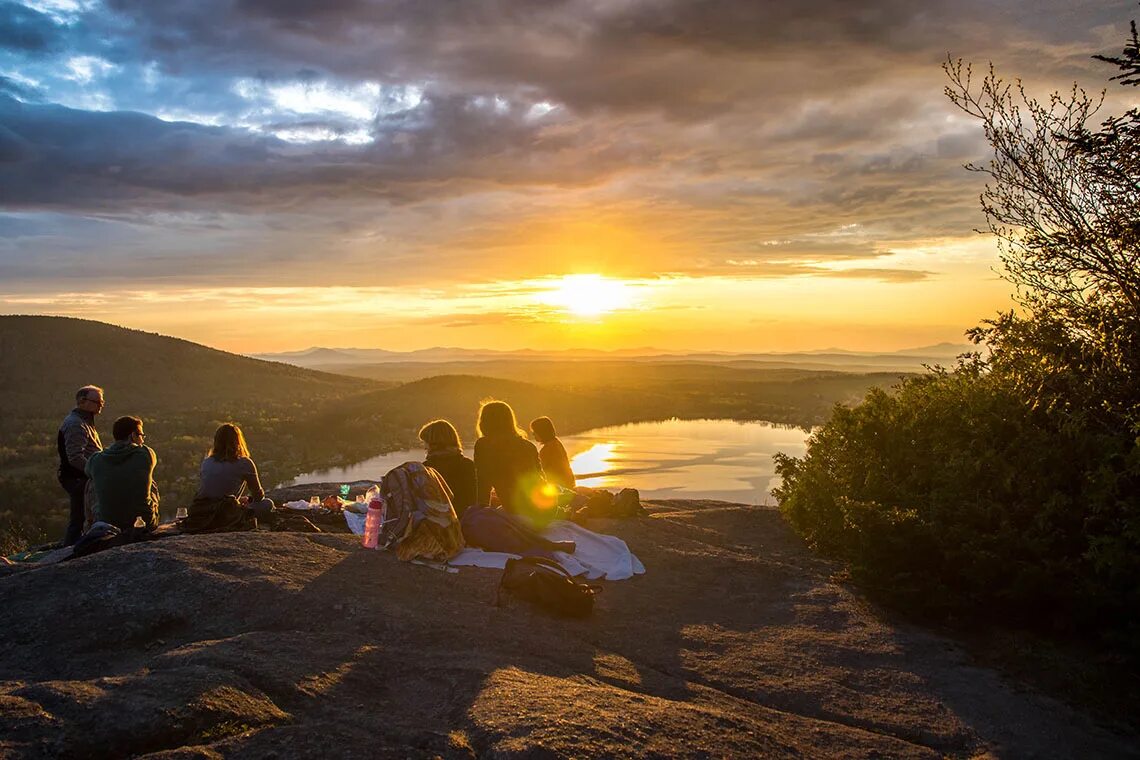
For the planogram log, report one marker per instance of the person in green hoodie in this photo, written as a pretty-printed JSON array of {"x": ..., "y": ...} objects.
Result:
[{"x": 123, "y": 478}]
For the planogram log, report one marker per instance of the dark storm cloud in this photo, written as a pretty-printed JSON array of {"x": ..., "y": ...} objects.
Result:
[
  {"x": 59, "y": 157},
  {"x": 28, "y": 30},
  {"x": 725, "y": 124},
  {"x": 13, "y": 147},
  {"x": 680, "y": 56},
  {"x": 10, "y": 87}
]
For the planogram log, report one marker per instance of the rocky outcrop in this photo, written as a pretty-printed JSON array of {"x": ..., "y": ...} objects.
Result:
[{"x": 735, "y": 643}]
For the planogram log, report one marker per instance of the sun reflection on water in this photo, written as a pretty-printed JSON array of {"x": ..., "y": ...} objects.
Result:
[
  {"x": 596, "y": 461},
  {"x": 669, "y": 459}
]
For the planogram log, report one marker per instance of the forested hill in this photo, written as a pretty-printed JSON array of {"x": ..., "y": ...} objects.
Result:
[
  {"x": 44, "y": 359},
  {"x": 182, "y": 391}
]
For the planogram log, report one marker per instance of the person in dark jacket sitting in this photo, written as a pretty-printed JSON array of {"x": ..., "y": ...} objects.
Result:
[
  {"x": 445, "y": 456},
  {"x": 506, "y": 462},
  {"x": 122, "y": 476},
  {"x": 228, "y": 470}
]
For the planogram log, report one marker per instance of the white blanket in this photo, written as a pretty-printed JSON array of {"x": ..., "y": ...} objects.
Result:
[{"x": 597, "y": 555}]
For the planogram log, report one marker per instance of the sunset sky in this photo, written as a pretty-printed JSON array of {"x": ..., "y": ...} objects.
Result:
[{"x": 264, "y": 175}]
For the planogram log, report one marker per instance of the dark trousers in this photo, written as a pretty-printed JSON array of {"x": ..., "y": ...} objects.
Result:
[
  {"x": 76, "y": 488},
  {"x": 498, "y": 531}
]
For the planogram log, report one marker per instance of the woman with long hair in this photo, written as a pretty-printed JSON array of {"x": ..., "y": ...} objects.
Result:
[
  {"x": 506, "y": 462},
  {"x": 228, "y": 470},
  {"x": 445, "y": 456}
]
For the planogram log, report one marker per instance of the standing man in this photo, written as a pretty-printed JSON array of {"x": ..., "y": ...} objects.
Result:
[
  {"x": 122, "y": 476},
  {"x": 77, "y": 440}
]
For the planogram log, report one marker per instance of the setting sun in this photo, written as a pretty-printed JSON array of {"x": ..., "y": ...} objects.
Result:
[{"x": 588, "y": 295}]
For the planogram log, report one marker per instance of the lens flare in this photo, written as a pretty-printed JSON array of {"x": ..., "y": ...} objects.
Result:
[{"x": 545, "y": 496}]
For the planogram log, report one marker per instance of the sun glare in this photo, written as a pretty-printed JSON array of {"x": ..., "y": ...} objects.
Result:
[
  {"x": 588, "y": 295},
  {"x": 590, "y": 466}
]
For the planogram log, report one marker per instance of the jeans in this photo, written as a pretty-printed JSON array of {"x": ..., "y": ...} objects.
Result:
[{"x": 76, "y": 489}]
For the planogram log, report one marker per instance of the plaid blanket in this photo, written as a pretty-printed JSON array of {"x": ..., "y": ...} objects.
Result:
[{"x": 420, "y": 522}]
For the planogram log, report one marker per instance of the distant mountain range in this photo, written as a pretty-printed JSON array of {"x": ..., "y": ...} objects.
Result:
[{"x": 832, "y": 358}]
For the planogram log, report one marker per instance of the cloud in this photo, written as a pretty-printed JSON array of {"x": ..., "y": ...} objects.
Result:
[
  {"x": 353, "y": 141},
  {"x": 27, "y": 30},
  {"x": 443, "y": 146},
  {"x": 531, "y": 315},
  {"x": 880, "y": 273}
]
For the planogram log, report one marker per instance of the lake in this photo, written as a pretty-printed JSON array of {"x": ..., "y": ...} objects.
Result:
[{"x": 672, "y": 459}]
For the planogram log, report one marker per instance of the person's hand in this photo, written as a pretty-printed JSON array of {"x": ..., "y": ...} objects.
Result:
[{"x": 244, "y": 501}]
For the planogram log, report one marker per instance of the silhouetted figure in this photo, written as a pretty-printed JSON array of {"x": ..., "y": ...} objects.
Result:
[
  {"x": 445, "y": 456},
  {"x": 506, "y": 462},
  {"x": 228, "y": 470},
  {"x": 77, "y": 440},
  {"x": 552, "y": 455},
  {"x": 122, "y": 476}
]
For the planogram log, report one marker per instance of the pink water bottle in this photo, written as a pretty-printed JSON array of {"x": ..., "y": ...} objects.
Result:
[{"x": 372, "y": 522}]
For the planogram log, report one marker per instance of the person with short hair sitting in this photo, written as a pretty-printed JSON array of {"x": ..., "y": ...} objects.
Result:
[{"x": 122, "y": 476}]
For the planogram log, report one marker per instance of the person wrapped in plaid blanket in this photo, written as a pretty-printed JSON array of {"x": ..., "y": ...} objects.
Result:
[{"x": 420, "y": 521}]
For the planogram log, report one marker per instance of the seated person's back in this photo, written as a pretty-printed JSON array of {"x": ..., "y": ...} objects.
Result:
[
  {"x": 505, "y": 460},
  {"x": 228, "y": 469},
  {"x": 552, "y": 455},
  {"x": 122, "y": 476},
  {"x": 445, "y": 456},
  {"x": 231, "y": 477}
]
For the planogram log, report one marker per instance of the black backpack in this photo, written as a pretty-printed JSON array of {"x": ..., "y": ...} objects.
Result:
[{"x": 545, "y": 583}]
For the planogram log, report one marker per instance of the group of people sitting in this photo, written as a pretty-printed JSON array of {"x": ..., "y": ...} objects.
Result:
[
  {"x": 522, "y": 477},
  {"x": 115, "y": 485}
]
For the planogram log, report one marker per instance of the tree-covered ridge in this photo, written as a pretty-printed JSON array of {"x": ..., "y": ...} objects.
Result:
[
  {"x": 46, "y": 358},
  {"x": 182, "y": 391}
]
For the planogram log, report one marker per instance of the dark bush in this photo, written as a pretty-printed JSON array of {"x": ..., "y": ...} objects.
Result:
[{"x": 957, "y": 495}]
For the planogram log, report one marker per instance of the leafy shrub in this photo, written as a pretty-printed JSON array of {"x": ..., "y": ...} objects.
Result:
[{"x": 958, "y": 495}]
